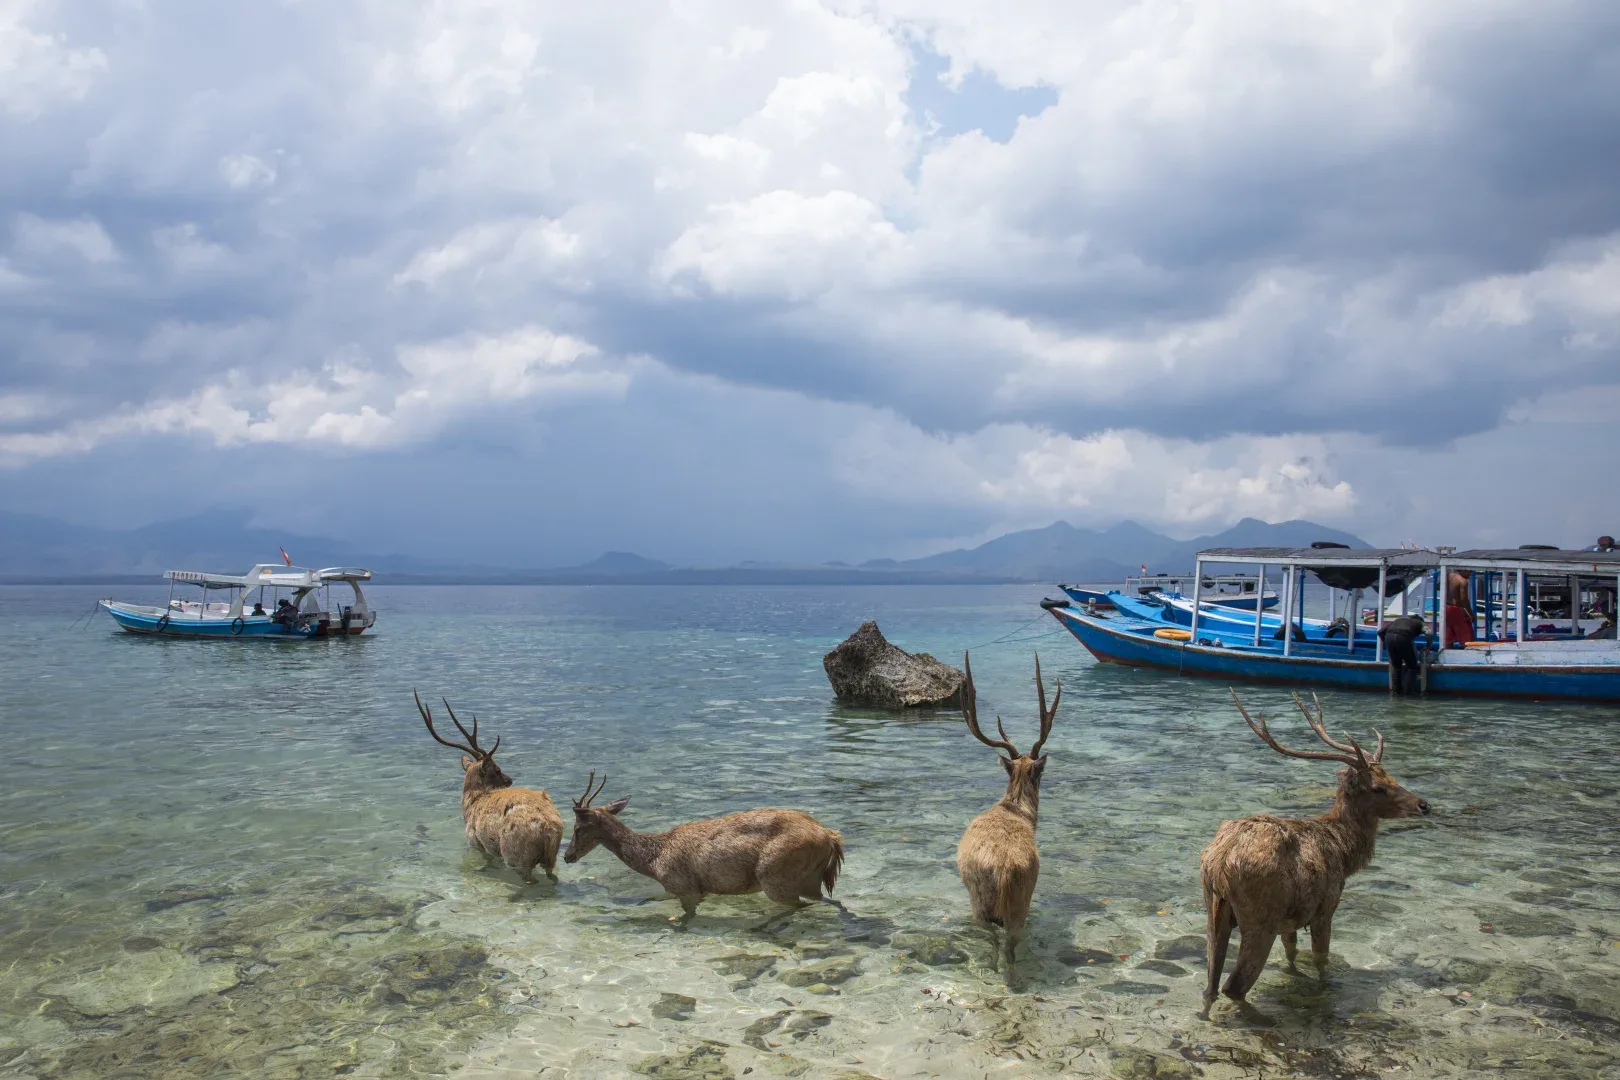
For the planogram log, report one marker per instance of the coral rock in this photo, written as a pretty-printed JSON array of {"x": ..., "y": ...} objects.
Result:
[{"x": 866, "y": 670}]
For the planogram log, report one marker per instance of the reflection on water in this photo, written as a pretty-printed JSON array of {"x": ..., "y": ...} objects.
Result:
[{"x": 241, "y": 858}]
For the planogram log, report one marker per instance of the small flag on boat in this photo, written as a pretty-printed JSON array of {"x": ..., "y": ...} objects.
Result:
[
  {"x": 286, "y": 558},
  {"x": 1144, "y": 567}
]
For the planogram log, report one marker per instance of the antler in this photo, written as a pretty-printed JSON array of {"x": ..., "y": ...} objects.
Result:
[
  {"x": 1321, "y": 730},
  {"x": 1349, "y": 757},
  {"x": 585, "y": 803},
  {"x": 1047, "y": 715},
  {"x": 427, "y": 718},
  {"x": 970, "y": 713},
  {"x": 473, "y": 738}
]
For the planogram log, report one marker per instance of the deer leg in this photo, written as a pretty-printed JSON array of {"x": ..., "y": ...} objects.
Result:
[
  {"x": 1291, "y": 949},
  {"x": 1217, "y": 935},
  {"x": 1011, "y": 935},
  {"x": 1321, "y": 938},
  {"x": 1251, "y": 959},
  {"x": 783, "y": 894},
  {"x": 688, "y": 909}
]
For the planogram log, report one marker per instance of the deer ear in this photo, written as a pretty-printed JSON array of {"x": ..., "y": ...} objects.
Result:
[
  {"x": 1006, "y": 763},
  {"x": 466, "y": 763},
  {"x": 616, "y": 805}
]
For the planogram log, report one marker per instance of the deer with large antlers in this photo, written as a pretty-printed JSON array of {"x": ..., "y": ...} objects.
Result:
[
  {"x": 1269, "y": 876},
  {"x": 520, "y": 826},
  {"x": 997, "y": 858},
  {"x": 786, "y": 854}
]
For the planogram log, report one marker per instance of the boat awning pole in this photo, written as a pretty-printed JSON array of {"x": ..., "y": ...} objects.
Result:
[
  {"x": 1288, "y": 612},
  {"x": 1490, "y": 604},
  {"x": 1442, "y": 597},
  {"x": 1198, "y": 579},
  {"x": 1259, "y": 604},
  {"x": 1352, "y": 598},
  {"x": 1378, "y": 641},
  {"x": 1521, "y": 618}
]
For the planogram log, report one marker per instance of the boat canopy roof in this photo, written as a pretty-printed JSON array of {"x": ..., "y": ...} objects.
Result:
[
  {"x": 1311, "y": 557},
  {"x": 272, "y": 576},
  {"x": 1338, "y": 567},
  {"x": 1536, "y": 561}
]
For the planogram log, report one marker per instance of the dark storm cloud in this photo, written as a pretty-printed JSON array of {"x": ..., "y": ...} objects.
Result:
[{"x": 1397, "y": 245}]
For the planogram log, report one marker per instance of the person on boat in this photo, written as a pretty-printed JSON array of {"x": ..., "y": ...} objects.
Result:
[
  {"x": 285, "y": 614},
  {"x": 258, "y": 608},
  {"x": 1459, "y": 625},
  {"x": 1605, "y": 543},
  {"x": 1399, "y": 634}
]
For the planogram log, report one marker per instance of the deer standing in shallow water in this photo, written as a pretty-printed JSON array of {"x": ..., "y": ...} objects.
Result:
[
  {"x": 997, "y": 858},
  {"x": 520, "y": 826},
  {"x": 1270, "y": 875},
  {"x": 786, "y": 854}
]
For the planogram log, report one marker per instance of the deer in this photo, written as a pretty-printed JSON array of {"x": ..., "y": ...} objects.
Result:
[
  {"x": 520, "y": 826},
  {"x": 997, "y": 858},
  {"x": 786, "y": 854},
  {"x": 1270, "y": 876}
]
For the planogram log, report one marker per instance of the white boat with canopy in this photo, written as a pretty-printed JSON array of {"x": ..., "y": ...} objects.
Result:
[{"x": 286, "y": 601}]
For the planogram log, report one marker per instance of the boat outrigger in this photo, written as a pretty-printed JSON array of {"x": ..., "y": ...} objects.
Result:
[
  {"x": 1522, "y": 650},
  {"x": 305, "y": 611}
]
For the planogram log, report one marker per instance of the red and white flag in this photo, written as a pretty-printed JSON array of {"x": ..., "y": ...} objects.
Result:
[{"x": 285, "y": 557}]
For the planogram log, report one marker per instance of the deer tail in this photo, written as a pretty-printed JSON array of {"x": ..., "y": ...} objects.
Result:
[
  {"x": 1012, "y": 896},
  {"x": 835, "y": 861}
]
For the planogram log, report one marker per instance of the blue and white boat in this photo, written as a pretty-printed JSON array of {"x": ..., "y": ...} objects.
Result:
[
  {"x": 1173, "y": 610},
  {"x": 1231, "y": 590},
  {"x": 1521, "y": 652},
  {"x": 292, "y": 604}
]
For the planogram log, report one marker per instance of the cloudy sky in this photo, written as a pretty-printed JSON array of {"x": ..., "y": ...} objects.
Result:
[{"x": 816, "y": 279}]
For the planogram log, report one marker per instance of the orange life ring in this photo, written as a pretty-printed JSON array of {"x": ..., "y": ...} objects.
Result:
[{"x": 1170, "y": 633}]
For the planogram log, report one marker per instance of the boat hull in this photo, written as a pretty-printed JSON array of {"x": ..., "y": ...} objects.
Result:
[
  {"x": 1130, "y": 642},
  {"x": 157, "y": 622}
]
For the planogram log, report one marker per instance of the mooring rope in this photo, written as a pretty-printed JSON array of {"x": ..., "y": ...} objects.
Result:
[{"x": 1011, "y": 637}]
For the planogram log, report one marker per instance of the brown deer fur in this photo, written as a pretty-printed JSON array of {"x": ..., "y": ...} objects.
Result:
[
  {"x": 997, "y": 857},
  {"x": 520, "y": 826},
  {"x": 786, "y": 854},
  {"x": 1269, "y": 875}
]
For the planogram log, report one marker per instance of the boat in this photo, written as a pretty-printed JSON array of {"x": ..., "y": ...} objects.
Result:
[
  {"x": 1546, "y": 594},
  {"x": 1176, "y": 610},
  {"x": 1231, "y": 590},
  {"x": 1516, "y": 655},
  {"x": 304, "y": 612}
]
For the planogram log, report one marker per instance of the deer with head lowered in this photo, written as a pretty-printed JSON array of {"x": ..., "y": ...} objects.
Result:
[
  {"x": 786, "y": 854},
  {"x": 1269, "y": 876},
  {"x": 997, "y": 858},
  {"x": 520, "y": 826}
]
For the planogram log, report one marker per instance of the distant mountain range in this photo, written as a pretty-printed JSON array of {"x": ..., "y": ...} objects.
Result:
[
  {"x": 1061, "y": 552},
  {"x": 38, "y": 548}
]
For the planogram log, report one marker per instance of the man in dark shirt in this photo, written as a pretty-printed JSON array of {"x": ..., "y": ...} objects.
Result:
[{"x": 1399, "y": 634}]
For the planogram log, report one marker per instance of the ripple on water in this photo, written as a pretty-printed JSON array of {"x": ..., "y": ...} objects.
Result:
[{"x": 201, "y": 873}]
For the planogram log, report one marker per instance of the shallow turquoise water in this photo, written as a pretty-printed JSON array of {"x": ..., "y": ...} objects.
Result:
[{"x": 247, "y": 858}]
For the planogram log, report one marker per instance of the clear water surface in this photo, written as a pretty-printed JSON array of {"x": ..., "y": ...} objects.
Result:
[{"x": 246, "y": 858}]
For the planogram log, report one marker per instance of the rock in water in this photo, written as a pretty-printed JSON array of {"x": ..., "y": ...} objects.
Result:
[{"x": 867, "y": 670}]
